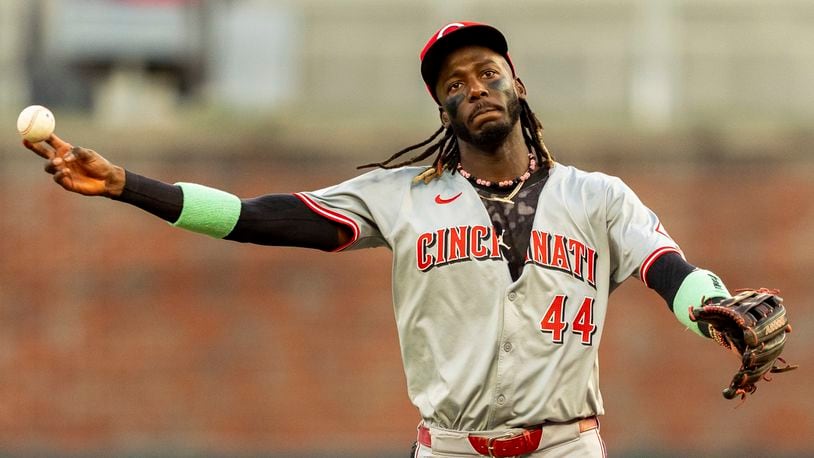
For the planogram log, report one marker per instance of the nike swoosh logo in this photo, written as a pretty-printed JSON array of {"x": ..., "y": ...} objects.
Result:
[{"x": 440, "y": 200}]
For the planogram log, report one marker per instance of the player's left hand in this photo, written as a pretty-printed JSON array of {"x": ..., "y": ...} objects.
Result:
[{"x": 752, "y": 324}]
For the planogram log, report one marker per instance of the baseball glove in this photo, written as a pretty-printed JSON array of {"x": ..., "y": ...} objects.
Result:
[{"x": 753, "y": 325}]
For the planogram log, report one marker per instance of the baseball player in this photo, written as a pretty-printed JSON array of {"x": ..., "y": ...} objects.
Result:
[{"x": 503, "y": 258}]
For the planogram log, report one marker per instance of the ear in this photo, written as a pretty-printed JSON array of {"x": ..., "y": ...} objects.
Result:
[
  {"x": 444, "y": 117},
  {"x": 520, "y": 88}
]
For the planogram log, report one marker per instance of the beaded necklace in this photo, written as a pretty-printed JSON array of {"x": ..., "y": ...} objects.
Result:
[
  {"x": 500, "y": 184},
  {"x": 517, "y": 182}
]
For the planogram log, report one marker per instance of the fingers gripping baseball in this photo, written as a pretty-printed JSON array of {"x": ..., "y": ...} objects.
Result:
[{"x": 78, "y": 169}]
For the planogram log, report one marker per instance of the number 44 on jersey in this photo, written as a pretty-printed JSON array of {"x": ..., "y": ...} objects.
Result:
[{"x": 554, "y": 320}]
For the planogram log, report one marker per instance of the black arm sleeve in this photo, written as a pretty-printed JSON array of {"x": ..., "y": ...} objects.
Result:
[
  {"x": 666, "y": 275},
  {"x": 161, "y": 199},
  {"x": 283, "y": 220},
  {"x": 274, "y": 219}
]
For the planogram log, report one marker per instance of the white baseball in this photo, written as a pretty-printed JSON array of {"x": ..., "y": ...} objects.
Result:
[{"x": 36, "y": 123}]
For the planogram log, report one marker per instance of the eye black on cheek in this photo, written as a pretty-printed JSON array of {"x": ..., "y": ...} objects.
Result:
[
  {"x": 500, "y": 84},
  {"x": 451, "y": 104}
]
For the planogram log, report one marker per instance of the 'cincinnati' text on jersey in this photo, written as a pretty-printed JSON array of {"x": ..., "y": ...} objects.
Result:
[{"x": 475, "y": 243}]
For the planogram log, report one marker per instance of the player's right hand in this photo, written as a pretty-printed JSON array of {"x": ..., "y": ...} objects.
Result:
[{"x": 78, "y": 169}]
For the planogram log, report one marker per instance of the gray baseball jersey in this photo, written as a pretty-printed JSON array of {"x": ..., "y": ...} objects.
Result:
[{"x": 480, "y": 350}]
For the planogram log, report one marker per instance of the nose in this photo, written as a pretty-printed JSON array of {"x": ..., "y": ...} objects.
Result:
[{"x": 477, "y": 90}]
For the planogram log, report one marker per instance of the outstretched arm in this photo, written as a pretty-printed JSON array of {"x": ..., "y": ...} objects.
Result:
[
  {"x": 752, "y": 324},
  {"x": 274, "y": 219}
]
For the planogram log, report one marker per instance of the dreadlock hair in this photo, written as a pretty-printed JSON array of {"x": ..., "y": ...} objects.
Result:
[{"x": 448, "y": 155}]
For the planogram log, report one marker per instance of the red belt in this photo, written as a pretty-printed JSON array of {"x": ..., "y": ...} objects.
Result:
[{"x": 506, "y": 446}]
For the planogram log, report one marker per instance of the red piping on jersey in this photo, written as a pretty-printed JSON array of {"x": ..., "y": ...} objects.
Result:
[
  {"x": 333, "y": 216},
  {"x": 652, "y": 258}
]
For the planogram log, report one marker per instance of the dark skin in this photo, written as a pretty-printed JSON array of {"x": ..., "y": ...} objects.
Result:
[
  {"x": 479, "y": 95},
  {"x": 78, "y": 169}
]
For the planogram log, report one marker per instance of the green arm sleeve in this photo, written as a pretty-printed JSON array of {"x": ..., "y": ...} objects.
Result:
[
  {"x": 208, "y": 211},
  {"x": 697, "y": 287}
]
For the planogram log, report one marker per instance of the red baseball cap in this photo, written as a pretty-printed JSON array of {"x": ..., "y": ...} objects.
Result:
[{"x": 453, "y": 36}]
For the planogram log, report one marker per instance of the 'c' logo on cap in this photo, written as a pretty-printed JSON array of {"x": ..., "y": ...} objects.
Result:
[{"x": 441, "y": 32}]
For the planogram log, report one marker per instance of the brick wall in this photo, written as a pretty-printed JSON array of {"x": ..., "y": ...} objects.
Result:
[{"x": 120, "y": 334}]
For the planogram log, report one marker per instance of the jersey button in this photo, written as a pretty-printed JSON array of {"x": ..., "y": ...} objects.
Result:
[
  {"x": 512, "y": 296},
  {"x": 501, "y": 399},
  {"x": 507, "y": 347}
]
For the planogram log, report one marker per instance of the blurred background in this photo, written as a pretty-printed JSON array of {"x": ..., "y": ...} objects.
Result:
[{"x": 121, "y": 336}]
